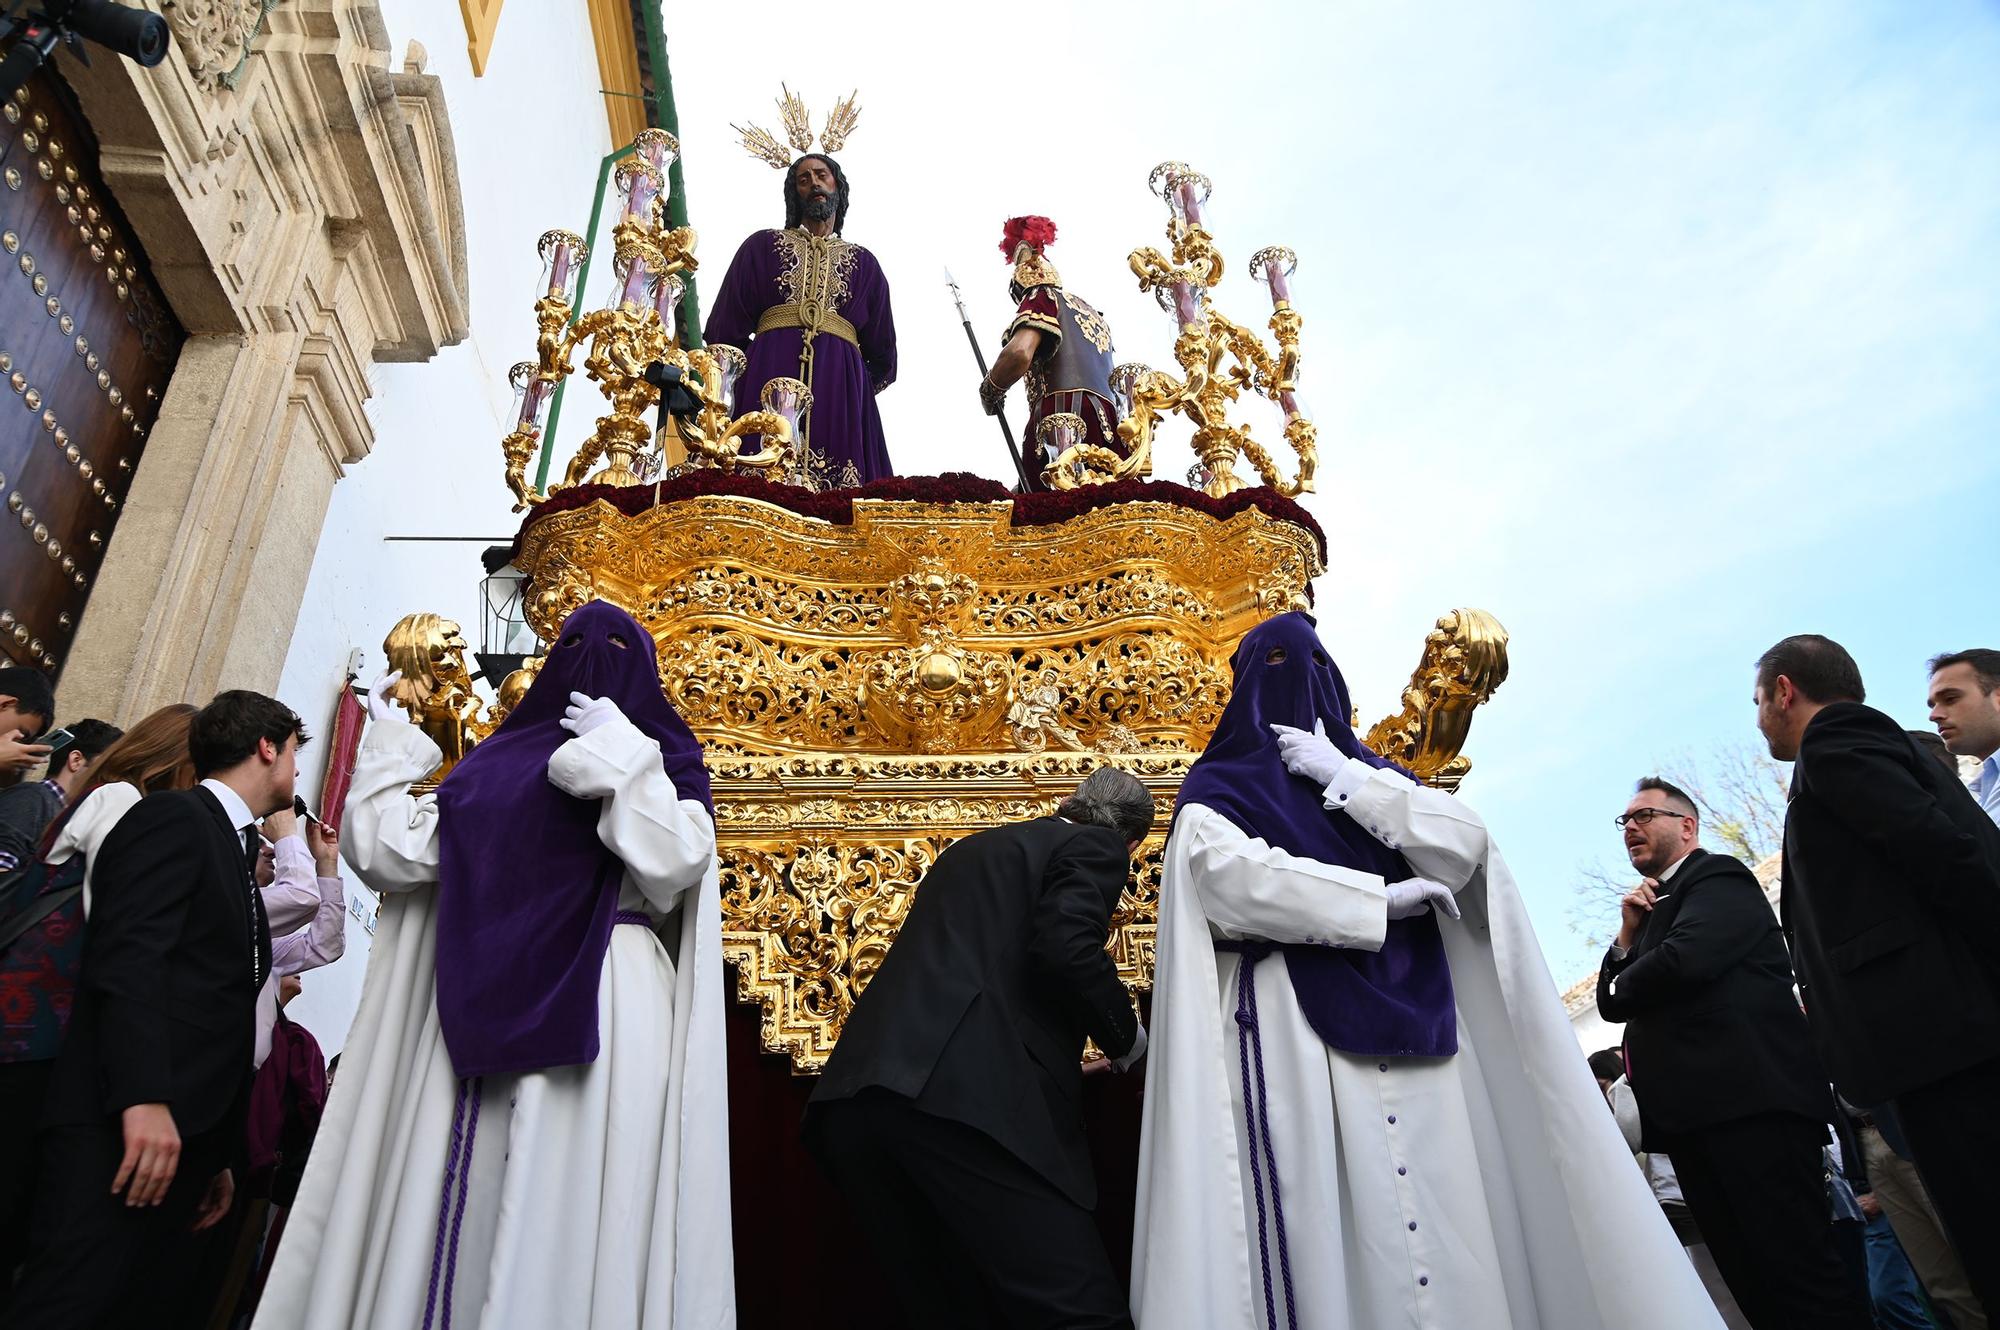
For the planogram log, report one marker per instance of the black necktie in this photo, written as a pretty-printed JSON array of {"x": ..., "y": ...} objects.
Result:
[{"x": 252, "y": 844}]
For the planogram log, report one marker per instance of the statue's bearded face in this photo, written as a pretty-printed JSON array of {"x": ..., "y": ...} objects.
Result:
[{"x": 818, "y": 192}]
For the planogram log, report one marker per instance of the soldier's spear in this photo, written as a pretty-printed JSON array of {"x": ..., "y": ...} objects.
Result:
[{"x": 1006, "y": 431}]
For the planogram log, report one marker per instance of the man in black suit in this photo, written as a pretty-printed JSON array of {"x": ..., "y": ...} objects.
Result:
[
  {"x": 148, "y": 1095},
  {"x": 1892, "y": 905},
  {"x": 1721, "y": 1064},
  {"x": 949, "y": 1114}
]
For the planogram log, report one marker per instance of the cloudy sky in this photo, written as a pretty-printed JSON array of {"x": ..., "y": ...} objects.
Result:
[{"x": 1660, "y": 332}]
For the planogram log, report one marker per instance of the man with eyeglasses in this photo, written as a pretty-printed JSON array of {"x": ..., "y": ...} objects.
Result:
[{"x": 1720, "y": 1060}]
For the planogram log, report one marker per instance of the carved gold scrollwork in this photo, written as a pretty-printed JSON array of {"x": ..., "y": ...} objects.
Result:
[
  {"x": 819, "y": 868},
  {"x": 1464, "y": 661},
  {"x": 869, "y": 693}
]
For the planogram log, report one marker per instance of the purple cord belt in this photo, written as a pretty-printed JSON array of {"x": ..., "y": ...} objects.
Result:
[
  {"x": 458, "y": 1168},
  {"x": 1257, "y": 1122}
]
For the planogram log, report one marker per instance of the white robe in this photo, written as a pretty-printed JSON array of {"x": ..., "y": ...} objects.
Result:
[
  {"x": 1486, "y": 1191},
  {"x": 599, "y": 1194}
]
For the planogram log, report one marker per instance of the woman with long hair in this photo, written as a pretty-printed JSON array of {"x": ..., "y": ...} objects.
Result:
[{"x": 153, "y": 756}]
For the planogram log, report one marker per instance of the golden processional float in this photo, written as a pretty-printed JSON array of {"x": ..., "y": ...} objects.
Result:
[{"x": 877, "y": 671}]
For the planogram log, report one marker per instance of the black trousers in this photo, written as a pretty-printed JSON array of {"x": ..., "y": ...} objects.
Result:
[
  {"x": 97, "y": 1262},
  {"x": 1949, "y": 1125},
  {"x": 1757, "y": 1189},
  {"x": 967, "y": 1234},
  {"x": 24, "y": 1088}
]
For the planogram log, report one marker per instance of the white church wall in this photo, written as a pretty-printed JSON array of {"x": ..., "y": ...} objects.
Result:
[{"x": 529, "y": 135}]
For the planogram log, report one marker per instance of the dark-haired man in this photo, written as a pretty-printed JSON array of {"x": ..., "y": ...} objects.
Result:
[
  {"x": 26, "y": 704},
  {"x": 1721, "y": 1064},
  {"x": 27, "y": 809},
  {"x": 806, "y": 304},
  {"x": 1965, "y": 707},
  {"x": 1892, "y": 902},
  {"x": 149, "y": 1091},
  {"x": 950, "y": 1113}
]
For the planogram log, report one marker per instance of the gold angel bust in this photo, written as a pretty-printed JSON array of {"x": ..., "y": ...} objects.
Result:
[{"x": 436, "y": 687}]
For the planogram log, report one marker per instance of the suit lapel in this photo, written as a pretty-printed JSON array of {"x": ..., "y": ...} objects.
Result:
[
  {"x": 243, "y": 895},
  {"x": 1662, "y": 917},
  {"x": 221, "y": 816}
]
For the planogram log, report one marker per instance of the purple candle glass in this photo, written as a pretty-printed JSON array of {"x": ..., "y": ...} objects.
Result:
[
  {"x": 531, "y": 394},
  {"x": 562, "y": 254}
]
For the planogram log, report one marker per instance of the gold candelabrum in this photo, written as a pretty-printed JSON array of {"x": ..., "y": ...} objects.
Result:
[
  {"x": 634, "y": 349},
  {"x": 1218, "y": 358}
]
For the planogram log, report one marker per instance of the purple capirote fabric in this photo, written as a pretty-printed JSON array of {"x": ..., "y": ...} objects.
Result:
[
  {"x": 1376, "y": 1003},
  {"x": 526, "y": 890}
]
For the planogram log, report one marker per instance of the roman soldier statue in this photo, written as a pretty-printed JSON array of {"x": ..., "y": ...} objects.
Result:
[{"x": 1059, "y": 343}]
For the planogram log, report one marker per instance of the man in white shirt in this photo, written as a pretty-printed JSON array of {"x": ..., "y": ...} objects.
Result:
[{"x": 1965, "y": 707}]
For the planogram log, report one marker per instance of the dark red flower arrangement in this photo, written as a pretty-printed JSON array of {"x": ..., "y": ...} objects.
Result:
[{"x": 837, "y": 506}]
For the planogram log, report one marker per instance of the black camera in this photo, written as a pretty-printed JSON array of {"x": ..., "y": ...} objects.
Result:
[{"x": 137, "y": 35}]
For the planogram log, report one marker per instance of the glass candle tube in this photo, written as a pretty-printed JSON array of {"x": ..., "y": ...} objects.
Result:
[
  {"x": 634, "y": 281},
  {"x": 1125, "y": 383},
  {"x": 563, "y": 253},
  {"x": 1184, "y": 300},
  {"x": 789, "y": 398},
  {"x": 531, "y": 394},
  {"x": 666, "y": 300},
  {"x": 1274, "y": 267},
  {"x": 657, "y": 148},
  {"x": 641, "y": 183},
  {"x": 729, "y": 364}
]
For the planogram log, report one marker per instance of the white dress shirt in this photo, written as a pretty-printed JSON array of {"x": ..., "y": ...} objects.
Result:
[
  {"x": 1986, "y": 786},
  {"x": 233, "y": 807}
]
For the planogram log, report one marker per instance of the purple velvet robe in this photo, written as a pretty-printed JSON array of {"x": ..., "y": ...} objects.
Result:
[
  {"x": 1397, "y": 1000},
  {"x": 775, "y": 268}
]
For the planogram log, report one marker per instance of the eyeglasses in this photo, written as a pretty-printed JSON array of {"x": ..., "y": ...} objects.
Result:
[{"x": 1644, "y": 815}]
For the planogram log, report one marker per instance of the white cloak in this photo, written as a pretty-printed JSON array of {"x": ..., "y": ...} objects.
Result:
[
  {"x": 1487, "y": 1191},
  {"x": 599, "y": 1194}
]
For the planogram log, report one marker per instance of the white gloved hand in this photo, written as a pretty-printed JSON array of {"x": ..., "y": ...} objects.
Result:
[
  {"x": 1415, "y": 895},
  {"x": 379, "y": 705},
  {"x": 1310, "y": 755},
  {"x": 1137, "y": 1051},
  {"x": 586, "y": 713}
]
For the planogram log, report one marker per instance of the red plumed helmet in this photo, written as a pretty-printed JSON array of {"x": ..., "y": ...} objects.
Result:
[{"x": 1035, "y": 232}]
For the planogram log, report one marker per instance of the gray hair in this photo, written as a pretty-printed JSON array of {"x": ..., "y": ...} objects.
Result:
[{"x": 1110, "y": 798}]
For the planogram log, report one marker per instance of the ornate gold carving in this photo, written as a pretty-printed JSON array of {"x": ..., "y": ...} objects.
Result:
[
  {"x": 1206, "y": 341},
  {"x": 864, "y": 691},
  {"x": 932, "y": 695},
  {"x": 515, "y": 687},
  {"x": 624, "y": 340},
  {"x": 869, "y": 693},
  {"x": 1464, "y": 661},
  {"x": 436, "y": 688},
  {"x": 1035, "y": 719},
  {"x": 819, "y": 868}
]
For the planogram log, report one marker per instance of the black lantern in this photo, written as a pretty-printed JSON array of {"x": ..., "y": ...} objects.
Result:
[{"x": 505, "y": 639}]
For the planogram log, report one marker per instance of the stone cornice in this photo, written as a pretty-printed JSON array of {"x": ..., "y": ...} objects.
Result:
[{"x": 245, "y": 197}]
